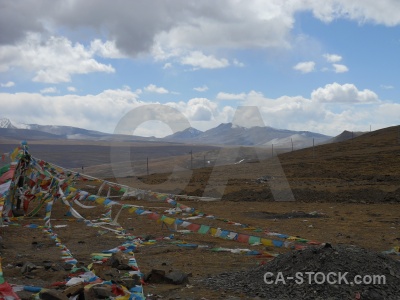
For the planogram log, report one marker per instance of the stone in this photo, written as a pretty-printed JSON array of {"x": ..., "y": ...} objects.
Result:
[
  {"x": 177, "y": 277},
  {"x": 130, "y": 282},
  {"x": 103, "y": 292},
  {"x": 106, "y": 272},
  {"x": 155, "y": 276},
  {"x": 118, "y": 258},
  {"x": 52, "y": 294},
  {"x": 57, "y": 267},
  {"x": 124, "y": 267},
  {"x": 28, "y": 267},
  {"x": 74, "y": 289}
]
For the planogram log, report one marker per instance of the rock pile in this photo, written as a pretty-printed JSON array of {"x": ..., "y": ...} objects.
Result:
[{"x": 334, "y": 270}]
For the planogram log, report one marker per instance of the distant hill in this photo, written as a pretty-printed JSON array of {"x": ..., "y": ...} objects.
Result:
[
  {"x": 230, "y": 134},
  {"x": 183, "y": 135},
  {"x": 26, "y": 134},
  {"x": 223, "y": 134},
  {"x": 13, "y": 130},
  {"x": 68, "y": 131},
  {"x": 364, "y": 169},
  {"x": 345, "y": 135}
]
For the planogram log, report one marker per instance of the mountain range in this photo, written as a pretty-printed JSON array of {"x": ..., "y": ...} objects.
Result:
[
  {"x": 223, "y": 134},
  {"x": 230, "y": 134}
]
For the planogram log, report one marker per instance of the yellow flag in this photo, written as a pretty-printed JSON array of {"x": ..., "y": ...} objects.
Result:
[
  {"x": 169, "y": 220},
  {"x": 267, "y": 242}
]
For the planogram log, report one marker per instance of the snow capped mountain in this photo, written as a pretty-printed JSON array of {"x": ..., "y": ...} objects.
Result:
[
  {"x": 223, "y": 134},
  {"x": 6, "y": 123},
  {"x": 230, "y": 134},
  {"x": 187, "y": 133}
]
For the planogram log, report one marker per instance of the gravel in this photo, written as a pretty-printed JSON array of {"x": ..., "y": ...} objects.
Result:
[{"x": 337, "y": 259}]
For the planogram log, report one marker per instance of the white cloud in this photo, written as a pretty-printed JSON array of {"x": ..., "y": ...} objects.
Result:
[
  {"x": 339, "y": 68},
  {"x": 305, "y": 67},
  {"x": 151, "y": 88},
  {"x": 197, "y": 109},
  {"x": 98, "y": 112},
  {"x": 7, "y": 84},
  {"x": 386, "y": 114},
  {"x": 238, "y": 63},
  {"x": 200, "y": 35},
  {"x": 201, "y": 88},
  {"x": 152, "y": 129},
  {"x": 228, "y": 96},
  {"x": 71, "y": 89},
  {"x": 332, "y": 58},
  {"x": 49, "y": 90},
  {"x": 387, "y": 87},
  {"x": 53, "y": 60},
  {"x": 287, "y": 112},
  {"x": 198, "y": 60},
  {"x": 135, "y": 27},
  {"x": 346, "y": 93},
  {"x": 381, "y": 12},
  {"x": 324, "y": 112},
  {"x": 107, "y": 49}
]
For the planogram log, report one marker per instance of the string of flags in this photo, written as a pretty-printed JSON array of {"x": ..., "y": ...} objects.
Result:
[
  {"x": 53, "y": 178},
  {"x": 178, "y": 207},
  {"x": 28, "y": 184}
]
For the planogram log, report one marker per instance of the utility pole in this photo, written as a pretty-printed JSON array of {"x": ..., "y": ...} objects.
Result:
[
  {"x": 191, "y": 159},
  {"x": 272, "y": 151},
  {"x": 204, "y": 161},
  {"x": 147, "y": 165},
  {"x": 291, "y": 140},
  {"x": 313, "y": 148}
]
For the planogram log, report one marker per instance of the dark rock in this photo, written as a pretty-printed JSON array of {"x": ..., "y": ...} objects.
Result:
[
  {"x": 130, "y": 282},
  {"x": 106, "y": 272},
  {"x": 108, "y": 275},
  {"x": 124, "y": 267},
  {"x": 28, "y": 267},
  {"x": 177, "y": 277},
  {"x": 67, "y": 267},
  {"x": 57, "y": 267},
  {"x": 149, "y": 237},
  {"x": 103, "y": 292},
  {"x": 74, "y": 289},
  {"x": 52, "y": 295},
  {"x": 47, "y": 264},
  {"x": 119, "y": 258},
  {"x": 155, "y": 276}
]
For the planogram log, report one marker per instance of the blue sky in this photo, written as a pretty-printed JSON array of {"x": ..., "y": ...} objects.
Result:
[{"x": 323, "y": 66}]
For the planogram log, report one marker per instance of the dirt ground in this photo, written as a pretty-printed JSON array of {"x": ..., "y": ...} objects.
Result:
[
  {"x": 372, "y": 226},
  {"x": 351, "y": 189}
]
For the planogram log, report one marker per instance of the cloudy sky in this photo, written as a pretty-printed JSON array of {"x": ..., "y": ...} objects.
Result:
[{"x": 322, "y": 66}]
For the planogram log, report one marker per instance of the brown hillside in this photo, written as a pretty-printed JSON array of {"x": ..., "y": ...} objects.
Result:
[{"x": 363, "y": 169}]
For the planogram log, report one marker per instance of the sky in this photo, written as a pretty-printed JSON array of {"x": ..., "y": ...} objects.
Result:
[{"x": 321, "y": 66}]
